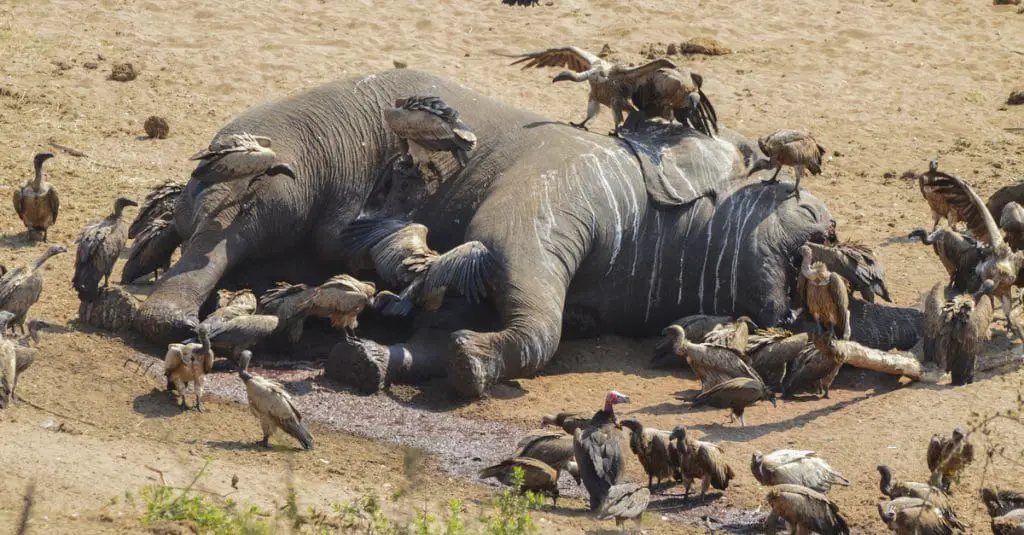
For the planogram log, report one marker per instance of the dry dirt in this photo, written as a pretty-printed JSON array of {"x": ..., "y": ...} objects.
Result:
[{"x": 884, "y": 85}]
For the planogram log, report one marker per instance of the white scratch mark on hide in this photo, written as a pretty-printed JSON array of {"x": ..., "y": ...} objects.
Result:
[
  {"x": 729, "y": 220},
  {"x": 682, "y": 174},
  {"x": 694, "y": 207},
  {"x": 656, "y": 265},
  {"x": 592, "y": 161},
  {"x": 740, "y": 234}
]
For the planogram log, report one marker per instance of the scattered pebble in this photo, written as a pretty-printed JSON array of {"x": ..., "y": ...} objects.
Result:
[
  {"x": 123, "y": 72},
  {"x": 708, "y": 46},
  {"x": 1006, "y": 2},
  {"x": 606, "y": 51},
  {"x": 400, "y": 64},
  {"x": 1016, "y": 97},
  {"x": 91, "y": 65},
  {"x": 157, "y": 127}
]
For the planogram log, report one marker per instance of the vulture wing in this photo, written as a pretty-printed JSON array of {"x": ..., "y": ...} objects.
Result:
[
  {"x": 19, "y": 202},
  {"x": 174, "y": 357},
  {"x": 711, "y": 458},
  {"x": 841, "y": 298},
  {"x": 362, "y": 234},
  {"x": 54, "y": 201},
  {"x": 274, "y": 401},
  {"x": 935, "y": 447},
  {"x": 468, "y": 268},
  {"x": 969, "y": 207},
  {"x": 570, "y": 57},
  {"x": 233, "y": 156},
  {"x": 725, "y": 394},
  {"x": 420, "y": 126},
  {"x": 637, "y": 75},
  {"x": 628, "y": 500}
]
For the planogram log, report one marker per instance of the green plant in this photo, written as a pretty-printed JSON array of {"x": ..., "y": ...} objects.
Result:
[
  {"x": 455, "y": 526},
  {"x": 999, "y": 436},
  {"x": 164, "y": 503},
  {"x": 514, "y": 505}
]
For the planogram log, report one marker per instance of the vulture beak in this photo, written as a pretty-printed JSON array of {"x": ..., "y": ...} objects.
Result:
[
  {"x": 693, "y": 101},
  {"x": 986, "y": 287},
  {"x": 281, "y": 169},
  {"x": 774, "y": 404},
  {"x": 562, "y": 77}
]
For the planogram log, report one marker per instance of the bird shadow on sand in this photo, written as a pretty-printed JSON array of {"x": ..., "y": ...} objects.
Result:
[
  {"x": 238, "y": 445},
  {"x": 21, "y": 240},
  {"x": 156, "y": 404}
]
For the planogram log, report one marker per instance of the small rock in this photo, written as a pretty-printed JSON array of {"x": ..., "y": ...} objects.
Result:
[
  {"x": 606, "y": 51},
  {"x": 62, "y": 65},
  {"x": 91, "y": 65},
  {"x": 123, "y": 72},
  {"x": 672, "y": 49},
  {"x": 101, "y": 57},
  {"x": 157, "y": 127},
  {"x": 1016, "y": 97},
  {"x": 1006, "y": 2},
  {"x": 889, "y": 175},
  {"x": 400, "y": 64},
  {"x": 708, "y": 46}
]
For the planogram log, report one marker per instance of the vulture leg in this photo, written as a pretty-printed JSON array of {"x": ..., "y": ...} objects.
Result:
[
  {"x": 799, "y": 174},
  {"x": 743, "y": 423},
  {"x": 44, "y": 234},
  {"x": 704, "y": 485},
  {"x": 268, "y": 428},
  {"x": 650, "y": 478},
  {"x": 775, "y": 177},
  {"x": 593, "y": 107},
  {"x": 1008, "y": 312},
  {"x": 198, "y": 387},
  {"x": 179, "y": 385}
]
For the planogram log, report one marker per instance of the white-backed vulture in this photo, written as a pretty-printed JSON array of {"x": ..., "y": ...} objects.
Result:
[
  {"x": 652, "y": 447},
  {"x": 734, "y": 334},
  {"x": 551, "y": 447},
  {"x": 948, "y": 456},
  {"x": 699, "y": 460},
  {"x": 425, "y": 125},
  {"x": 272, "y": 406},
  {"x": 1011, "y": 222},
  {"x": 857, "y": 265},
  {"x": 189, "y": 363},
  {"x": 341, "y": 299},
  {"x": 1000, "y": 502},
  {"x": 824, "y": 295},
  {"x": 236, "y": 156},
  {"x": 25, "y": 355},
  {"x": 8, "y": 362},
  {"x": 568, "y": 421},
  {"x": 158, "y": 206},
  {"x": 537, "y": 475},
  {"x": 959, "y": 253},
  {"x": 610, "y": 85},
  {"x": 894, "y": 488},
  {"x": 815, "y": 367},
  {"x": 1011, "y": 523},
  {"x": 795, "y": 467},
  {"x": 151, "y": 251},
  {"x": 598, "y": 450},
  {"x": 99, "y": 247},
  {"x": 931, "y": 325},
  {"x": 676, "y": 93},
  {"x": 789, "y": 147},
  {"x": 288, "y": 303},
  {"x": 914, "y": 516},
  {"x": 36, "y": 201},
  {"x": 712, "y": 364},
  {"x": 397, "y": 248},
  {"x": 20, "y": 288},
  {"x": 735, "y": 394},
  {"x": 231, "y": 305},
  {"x": 963, "y": 327},
  {"x": 697, "y": 326},
  {"x": 772, "y": 351},
  {"x": 805, "y": 510},
  {"x": 626, "y": 501},
  {"x": 931, "y": 183},
  {"x": 242, "y": 332}
]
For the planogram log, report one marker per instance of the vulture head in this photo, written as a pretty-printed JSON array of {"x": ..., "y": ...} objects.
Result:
[
  {"x": 885, "y": 484},
  {"x": 547, "y": 419},
  {"x": 614, "y": 398},
  {"x": 40, "y": 158},
  {"x": 5, "y": 317},
  {"x": 34, "y": 326},
  {"x": 678, "y": 433},
  {"x": 121, "y": 203}
]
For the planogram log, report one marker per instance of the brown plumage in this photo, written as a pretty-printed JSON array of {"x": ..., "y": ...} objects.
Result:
[
  {"x": 948, "y": 456},
  {"x": 158, "y": 206},
  {"x": 711, "y": 364},
  {"x": 699, "y": 460},
  {"x": 272, "y": 406},
  {"x": 960, "y": 255},
  {"x": 824, "y": 295},
  {"x": 8, "y": 362},
  {"x": 627, "y": 501},
  {"x": 1011, "y": 523},
  {"x": 697, "y": 327},
  {"x": 734, "y": 334},
  {"x": 36, "y": 202},
  {"x": 238, "y": 156},
  {"x": 99, "y": 247},
  {"x": 652, "y": 447},
  {"x": 963, "y": 327},
  {"x": 931, "y": 327},
  {"x": 288, "y": 303},
  {"x": 341, "y": 299},
  {"x": 1000, "y": 502},
  {"x": 551, "y": 447},
  {"x": 914, "y": 516},
  {"x": 25, "y": 355},
  {"x": 20, "y": 288},
  {"x": 795, "y": 467},
  {"x": 598, "y": 451},
  {"x": 894, "y": 488},
  {"x": 241, "y": 332},
  {"x": 805, "y": 510},
  {"x": 1011, "y": 222},
  {"x": 857, "y": 265},
  {"x": 793, "y": 148},
  {"x": 676, "y": 93},
  {"x": 537, "y": 475},
  {"x": 815, "y": 367},
  {"x": 151, "y": 251},
  {"x": 425, "y": 125},
  {"x": 568, "y": 421},
  {"x": 610, "y": 85},
  {"x": 736, "y": 395},
  {"x": 772, "y": 352},
  {"x": 189, "y": 363}
]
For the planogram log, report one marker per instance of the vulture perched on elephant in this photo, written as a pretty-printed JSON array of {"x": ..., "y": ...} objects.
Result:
[
  {"x": 805, "y": 510},
  {"x": 189, "y": 363},
  {"x": 626, "y": 501},
  {"x": 341, "y": 299},
  {"x": 948, "y": 456},
  {"x": 857, "y": 265},
  {"x": 425, "y": 125},
  {"x": 699, "y": 460},
  {"x": 815, "y": 367},
  {"x": 914, "y": 516},
  {"x": 712, "y": 364},
  {"x": 157, "y": 206},
  {"x": 568, "y": 421},
  {"x": 598, "y": 450},
  {"x": 397, "y": 248},
  {"x": 789, "y": 147},
  {"x": 36, "y": 202},
  {"x": 272, "y": 406},
  {"x": 959, "y": 253},
  {"x": 894, "y": 488},
  {"x": 654, "y": 450},
  {"x": 151, "y": 251},
  {"x": 538, "y": 476},
  {"x": 736, "y": 395},
  {"x": 824, "y": 294},
  {"x": 676, "y": 93},
  {"x": 795, "y": 467},
  {"x": 238, "y": 156},
  {"x": 551, "y": 447},
  {"x": 99, "y": 247},
  {"x": 20, "y": 288}
]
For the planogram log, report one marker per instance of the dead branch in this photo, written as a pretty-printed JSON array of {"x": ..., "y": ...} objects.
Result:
[{"x": 64, "y": 148}]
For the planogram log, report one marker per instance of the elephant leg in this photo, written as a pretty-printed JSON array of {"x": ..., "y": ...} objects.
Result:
[{"x": 370, "y": 366}]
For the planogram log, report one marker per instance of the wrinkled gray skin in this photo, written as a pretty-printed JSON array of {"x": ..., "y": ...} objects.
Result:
[{"x": 577, "y": 224}]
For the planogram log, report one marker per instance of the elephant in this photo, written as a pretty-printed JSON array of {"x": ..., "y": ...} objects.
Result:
[{"x": 592, "y": 233}]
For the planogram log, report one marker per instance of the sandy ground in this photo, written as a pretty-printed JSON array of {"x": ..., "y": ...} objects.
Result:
[{"x": 885, "y": 86}]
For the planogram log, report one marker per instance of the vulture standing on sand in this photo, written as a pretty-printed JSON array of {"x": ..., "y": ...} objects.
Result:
[
  {"x": 598, "y": 451},
  {"x": 712, "y": 364},
  {"x": 824, "y": 294},
  {"x": 676, "y": 93},
  {"x": 815, "y": 367},
  {"x": 735, "y": 394},
  {"x": 99, "y": 247},
  {"x": 8, "y": 362},
  {"x": 959, "y": 253},
  {"x": 948, "y": 456},
  {"x": 805, "y": 510},
  {"x": 963, "y": 327},
  {"x": 568, "y": 421},
  {"x": 789, "y": 147},
  {"x": 272, "y": 405},
  {"x": 772, "y": 351},
  {"x": 25, "y": 355},
  {"x": 551, "y": 447},
  {"x": 237, "y": 156},
  {"x": 538, "y": 476},
  {"x": 425, "y": 125},
  {"x": 857, "y": 265},
  {"x": 795, "y": 467},
  {"x": 914, "y": 516},
  {"x": 626, "y": 501},
  {"x": 610, "y": 85},
  {"x": 20, "y": 288},
  {"x": 189, "y": 363},
  {"x": 894, "y": 488},
  {"x": 36, "y": 201},
  {"x": 158, "y": 206},
  {"x": 654, "y": 450},
  {"x": 151, "y": 251},
  {"x": 699, "y": 460}
]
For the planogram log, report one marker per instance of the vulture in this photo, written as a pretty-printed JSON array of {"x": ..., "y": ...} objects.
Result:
[
  {"x": 158, "y": 206},
  {"x": 624, "y": 502},
  {"x": 735, "y": 334},
  {"x": 653, "y": 448},
  {"x": 914, "y": 516},
  {"x": 520, "y": 2},
  {"x": 151, "y": 251},
  {"x": 711, "y": 364},
  {"x": 551, "y": 447},
  {"x": 537, "y": 475},
  {"x": 425, "y": 125},
  {"x": 1001, "y": 265},
  {"x": 676, "y": 93},
  {"x": 1000, "y": 502},
  {"x": 1011, "y": 222},
  {"x": 735, "y": 394},
  {"x": 931, "y": 185},
  {"x": 815, "y": 367},
  {"x": 36, "y": 201},
  {"x": 272, "y": 405},
  {"x": 288, "y": 303},
  {"x": 236, "y": 156},
  {"x": 598, "y": 451},
  {"x": 963, "y": 327},
  {"x": 795, "y": 467},
  {"x": 697, "y": 326},
  {"x": 241, "y": 332},
  {"x": 772, "y": 352},
  {"x": 894, "y": 488},
  {"x": 857, "y": 265},
  {"x": 931, "y": 326},
  {"x": 610, "y": 85},
  {"x": 959, "y": 253},
  {"x": 789, "y": 147},
  {"x": 20, "y": 288},
  {"x": 398, "y": 248},
  {"x": 568, "y": 421},
  {"x": 231, "y": 305},
  {"x": 824, "y": 294},
  {"x": 25, "y": 356},
  {"x": 99, "y": 247},
  {"x": 8, "y": 362},
  {"x": 1012, "y": 523},
  {"x": 189, "y": 363},
  {"x": 699, "y": 460},
  {"x": 805, "y": 510},
  {"x": 341, "y": 299},
  {"x": 948, "y": 456}
]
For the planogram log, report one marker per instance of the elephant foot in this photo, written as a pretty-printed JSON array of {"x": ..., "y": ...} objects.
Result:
[
  {"x": 163, "y": 322},
  {"x": 362, "y": 364},
  {"x": 113, "y": 309},
  {"x": 472, "y": 367}
]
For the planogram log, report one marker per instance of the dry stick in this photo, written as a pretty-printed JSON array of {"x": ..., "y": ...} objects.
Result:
[
  {"x": 74, "y": 152},
  {"x": 55, "y": 413},
  {"x": 26, "y": 510},
  {"x": 160, "y": 472}
]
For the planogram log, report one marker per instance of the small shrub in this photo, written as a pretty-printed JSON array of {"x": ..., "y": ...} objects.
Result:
[{"x": 513, "y": 515}]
